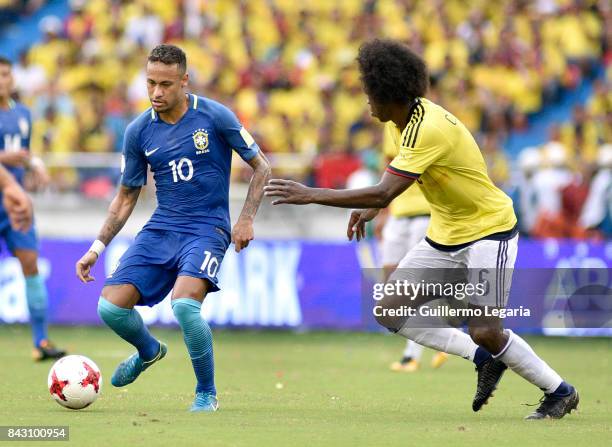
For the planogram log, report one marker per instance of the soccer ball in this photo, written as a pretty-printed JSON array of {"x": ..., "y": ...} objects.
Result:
[{"x": 74, "y": 381}]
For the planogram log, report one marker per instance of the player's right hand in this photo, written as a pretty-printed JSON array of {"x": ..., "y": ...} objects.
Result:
[
  {"x": 357, "y": 221},
  {"x": 84, "y": 265}
]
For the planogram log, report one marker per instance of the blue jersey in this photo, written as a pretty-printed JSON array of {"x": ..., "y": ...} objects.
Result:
[
  {"x": 190, "y": 161},
  {"x": 15, "y": 132}
]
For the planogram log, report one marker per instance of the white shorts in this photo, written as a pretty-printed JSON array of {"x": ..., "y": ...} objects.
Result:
[
  {"x": 400, "y": 235},
  {"x": 486, "y": 262}
]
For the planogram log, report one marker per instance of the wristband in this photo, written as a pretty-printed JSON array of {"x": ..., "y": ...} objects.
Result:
[
  {"x": 97, "y": 247},
  {"x": 36, "y": 162}
]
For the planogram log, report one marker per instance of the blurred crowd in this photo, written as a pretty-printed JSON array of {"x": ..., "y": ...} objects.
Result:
[
  {"x": 288, "y": 70},
  {"x": 13, "y": 10},
  {"x": 553, "y": 199}
]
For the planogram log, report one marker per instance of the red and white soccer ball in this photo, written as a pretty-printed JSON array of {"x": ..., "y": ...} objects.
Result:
[{"x": 75, "y": 382}]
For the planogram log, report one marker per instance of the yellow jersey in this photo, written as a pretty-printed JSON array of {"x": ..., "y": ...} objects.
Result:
[
  {"x": 411, "y": 202},
  {"x": 439, "y": 152}
]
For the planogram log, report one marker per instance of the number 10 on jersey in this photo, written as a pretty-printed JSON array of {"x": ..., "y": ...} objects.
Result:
[
  {"x": 178, "y": 169},
  {"x": 210, "y": 264}
]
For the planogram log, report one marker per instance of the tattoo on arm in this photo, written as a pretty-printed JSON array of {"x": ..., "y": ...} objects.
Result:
[
  {"x": 261, "y": 175},
  {"x": 119, "y": 211}
]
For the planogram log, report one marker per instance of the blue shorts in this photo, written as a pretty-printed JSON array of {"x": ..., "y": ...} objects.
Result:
[
  {"x": 157, "y": 257},
  {"x": 16, "y": 240}
]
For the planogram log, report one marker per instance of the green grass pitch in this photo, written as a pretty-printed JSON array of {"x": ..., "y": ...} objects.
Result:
[{"x": 279, "y": 388}]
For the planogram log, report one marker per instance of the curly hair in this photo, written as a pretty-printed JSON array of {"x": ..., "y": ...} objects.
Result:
[
  {"x": 391, "y": 72},
  {"x": 169, "y": 55}
]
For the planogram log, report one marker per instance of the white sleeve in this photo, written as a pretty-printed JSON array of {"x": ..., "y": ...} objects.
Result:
[{"x": 595, "y": 207}]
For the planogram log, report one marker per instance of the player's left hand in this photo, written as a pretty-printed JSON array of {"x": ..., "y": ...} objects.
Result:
[
  {"x": 84, "y": 265},
  {"x": 242, "y": 234},
  {"x": 18, "y": 206},
  {"x": 357, "y": 221},
  {"x": 289, "y": 192}
]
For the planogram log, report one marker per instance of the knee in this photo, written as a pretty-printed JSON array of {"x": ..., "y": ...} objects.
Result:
[
  {"x": 109, "y": 312},
  {"x": 186, "y": 310},
  {"x": 190, "y": 288},
  {"x": 29, "y": 266},
  {"x": 386, "y": 315},
  {"x": 102, "y": 309},
  {"x": 124, "y": 296},
  {"x": 486, "y": 336},
  {"x": 381, "y": 320}
]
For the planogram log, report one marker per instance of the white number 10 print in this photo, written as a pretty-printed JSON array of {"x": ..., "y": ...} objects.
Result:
[
  {"x": 12, "y": 143},
  {"x": 210, "y": 264},
  {"x": 177, "y": 169}
]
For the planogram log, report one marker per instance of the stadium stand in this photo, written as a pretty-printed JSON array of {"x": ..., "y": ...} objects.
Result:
[{"x": 288, "y": 70}]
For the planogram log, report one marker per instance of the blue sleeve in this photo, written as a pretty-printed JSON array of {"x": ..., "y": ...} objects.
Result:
[
  {"x": 133, "y": 161},
  {"x": 234, "y": 134}
]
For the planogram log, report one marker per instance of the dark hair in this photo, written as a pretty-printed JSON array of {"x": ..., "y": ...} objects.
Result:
[
  {"x": 5, "y": 61},
  {"x": 391, "y": 72},
  {"x": 169, "y": 55}
]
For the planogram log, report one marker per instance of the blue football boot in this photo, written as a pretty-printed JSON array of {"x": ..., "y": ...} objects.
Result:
[
  {"x": 130, "y": 368},
  {"x": 204, "y": 402}
]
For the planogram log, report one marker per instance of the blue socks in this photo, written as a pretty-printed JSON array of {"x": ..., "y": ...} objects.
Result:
[
  {"x": 36, "y": 294},
  {"x": 128, "y": 324},
  {"x": 198, "y": 338},
  {"x": 563, "y": 389},
  {"x": 481, "y": 356}
]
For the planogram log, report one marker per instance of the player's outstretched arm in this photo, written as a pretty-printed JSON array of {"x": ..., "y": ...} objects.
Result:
[
  {"x": 242, "y": 233},
  {"x": 15, "y": 201},
  {"x": 119, "y": 211},
  {"x": 377, "y": 196}
]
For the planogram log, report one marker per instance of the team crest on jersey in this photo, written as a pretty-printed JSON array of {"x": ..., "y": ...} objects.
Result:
[{"x": 200, "y": 141}]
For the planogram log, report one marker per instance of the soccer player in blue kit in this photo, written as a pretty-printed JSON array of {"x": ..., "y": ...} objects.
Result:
[
  {"x": 15, "y": 131},
  {"x": 187, "y": 140}
]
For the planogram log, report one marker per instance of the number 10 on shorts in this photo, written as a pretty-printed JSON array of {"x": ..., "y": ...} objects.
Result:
[{"x": 210, "y": 264}]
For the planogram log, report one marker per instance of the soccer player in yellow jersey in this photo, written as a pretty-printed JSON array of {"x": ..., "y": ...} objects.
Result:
[
  {"x": 472, "y": 226},
  {"x": 405, "y": 225}
]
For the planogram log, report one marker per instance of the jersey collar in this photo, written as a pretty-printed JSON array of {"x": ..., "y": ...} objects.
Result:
[
  {"x": 11, "y": 104},
  {"x": 413, "y": 105},
  {"x": 411, "y": 110}
]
